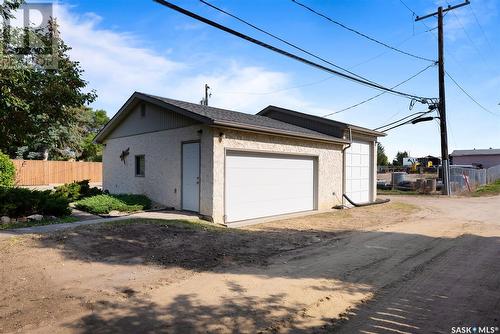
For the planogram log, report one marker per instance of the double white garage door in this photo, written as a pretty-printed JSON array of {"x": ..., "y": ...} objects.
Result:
[{"x": 260, "y": 185}]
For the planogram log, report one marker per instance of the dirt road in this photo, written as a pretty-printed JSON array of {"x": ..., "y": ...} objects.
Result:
[{"x": 423, "y": 265}]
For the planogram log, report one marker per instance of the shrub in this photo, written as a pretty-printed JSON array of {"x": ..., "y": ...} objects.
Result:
[
  {"x": 7, "y": 171},
  {"x": 18, "y": 202},
  {"x": 102, "y": 204},
  {"x": 77, "y": 190}
]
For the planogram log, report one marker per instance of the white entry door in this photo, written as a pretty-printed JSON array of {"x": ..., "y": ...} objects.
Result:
[
  {"x": 191, "y": 176},
  {"x": 358, "y": 172},
  {"x": 261, "y": 185}
]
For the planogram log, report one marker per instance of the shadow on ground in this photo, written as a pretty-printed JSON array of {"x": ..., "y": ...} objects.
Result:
[{"x": 423, "y": 282}]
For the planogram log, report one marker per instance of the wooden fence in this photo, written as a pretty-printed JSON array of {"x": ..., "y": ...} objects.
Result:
[{"x": 38, "y": 172}]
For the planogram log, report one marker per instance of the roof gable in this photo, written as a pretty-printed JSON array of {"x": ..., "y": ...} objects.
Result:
[{"x": 215, "y": 117}]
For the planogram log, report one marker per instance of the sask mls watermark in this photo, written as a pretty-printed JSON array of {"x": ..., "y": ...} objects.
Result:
[
  {"x": 29, "y": 36},
  {"x": 475, "y": 330}
]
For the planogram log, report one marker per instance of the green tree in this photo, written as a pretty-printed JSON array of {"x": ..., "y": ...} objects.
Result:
[
  {"x": 39, "y": 105},
  {"x": 382, "y": 159},
  {"x": 398, "y": 161},
  {"x": 7, "y": 171},
  {"x": 95, "y": 121}
]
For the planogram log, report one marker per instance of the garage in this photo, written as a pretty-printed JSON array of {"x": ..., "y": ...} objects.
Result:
[
  {"x": 261, "y": 184},
  {"x": 358, "y": 172}
]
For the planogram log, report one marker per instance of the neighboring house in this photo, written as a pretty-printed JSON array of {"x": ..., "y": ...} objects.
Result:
[
  {"x": 484, "y": 158},
  {"x": 231, "y": 166}
]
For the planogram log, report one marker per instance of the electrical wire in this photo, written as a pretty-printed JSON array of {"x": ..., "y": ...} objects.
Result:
[
  {"x": 468, "y": 36},
  {"x": 317, "y": 81},
  {"x": 360, "y": 33},
  {"x": 288, "y": 54},
  {"x": 470, "y": 96},
  {"x": 375, "y": 96},
  {"x": 309, "y": 53},
  {"x": 281, "y": 39},
  {"x": 480, "y": 27},
  {"x": 401, "y": 119},
  {"x": 420, "y": 114}
]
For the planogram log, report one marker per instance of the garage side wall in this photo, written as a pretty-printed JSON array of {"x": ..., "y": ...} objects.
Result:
[
  {"x": 162, "y": 151},
  {"x": 329, "y": 157}
]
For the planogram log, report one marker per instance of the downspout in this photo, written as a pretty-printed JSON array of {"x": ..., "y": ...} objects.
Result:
[{"x": 344, "y": 164}]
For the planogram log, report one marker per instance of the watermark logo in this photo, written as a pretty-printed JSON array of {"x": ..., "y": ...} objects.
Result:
[
  {"x": 29, "y": 36},
  {"x": 475, "y": 330}
]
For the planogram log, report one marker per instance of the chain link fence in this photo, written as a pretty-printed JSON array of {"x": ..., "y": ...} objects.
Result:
[
  {"x": 469, "y": 179},
  {"x": 466, "y": 179},
  {"x": 493, "y": 174}
]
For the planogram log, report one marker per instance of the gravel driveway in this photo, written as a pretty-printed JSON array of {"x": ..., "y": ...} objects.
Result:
[{"x": 415, "y": 265}]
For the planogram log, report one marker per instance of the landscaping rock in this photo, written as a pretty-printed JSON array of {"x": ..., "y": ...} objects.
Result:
[
  {"x": 114, "y": 213},
  {"x": 22, "y": 220},
  {"x": 35, "y": 217},
  {"x": 5, "y": 220}
]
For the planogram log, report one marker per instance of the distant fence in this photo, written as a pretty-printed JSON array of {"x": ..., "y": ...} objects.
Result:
[
  {"x": 493, "y": 174},
  {"x": 468, "y": 179},
  {"x": 38, "y": 172}
]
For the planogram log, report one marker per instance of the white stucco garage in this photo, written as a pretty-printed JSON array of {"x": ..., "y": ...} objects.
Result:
[{"x": 230, "y": 166}]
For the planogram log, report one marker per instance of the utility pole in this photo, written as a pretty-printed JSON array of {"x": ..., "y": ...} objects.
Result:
[
  {"x": 204, "y": 101},
  {"x": 442, "y": 98}
]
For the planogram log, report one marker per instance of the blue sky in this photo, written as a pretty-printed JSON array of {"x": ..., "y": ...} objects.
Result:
[{"x": 125, "y": 46}]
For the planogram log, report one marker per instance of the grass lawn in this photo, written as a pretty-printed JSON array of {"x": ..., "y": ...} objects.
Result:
[
  {"x": 42, "y": 222},
  {"x": 488, "y": 189},
  {"x": 103, "y": 204}
]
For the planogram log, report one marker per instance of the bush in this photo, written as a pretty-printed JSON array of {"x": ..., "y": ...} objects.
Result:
[
  {"x": 7, "y": 171},
  {"x": 102, "y": 204},
  {"x": 77, "y": 190},
  {"x": 19, "y": 202}
]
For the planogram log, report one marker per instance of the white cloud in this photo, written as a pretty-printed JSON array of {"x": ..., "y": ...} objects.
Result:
[
  {"x": 116, "y": 64},
  {"x": 460, "y": 19}
]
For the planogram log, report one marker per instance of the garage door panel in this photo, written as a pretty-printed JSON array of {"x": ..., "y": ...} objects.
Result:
[
  {"x": 358, "y": 172},
  {"x": 260, "y": 185}
]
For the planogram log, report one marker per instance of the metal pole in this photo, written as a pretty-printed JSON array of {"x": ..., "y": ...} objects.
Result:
[
  {"x": 206, "y": 94},
  {"x": 442, "y": 107},
  {"x": 442, "y": 98}
]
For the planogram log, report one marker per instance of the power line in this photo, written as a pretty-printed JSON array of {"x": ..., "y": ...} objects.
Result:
[
  {"x": 360, "y": 33},
  {"x": 281, "y": 39},
  {"x": 288, "y": 54},
  {"x": 467, "y": 35},
  {"x": 481, "y": 27},
  {"x": 420, "y": 114},
  {"x": 411, "y": 10},
  {"x": 470, "y": 96},
  {"x": 375, "y": 96},
  {"x": 316, "y": 81}
]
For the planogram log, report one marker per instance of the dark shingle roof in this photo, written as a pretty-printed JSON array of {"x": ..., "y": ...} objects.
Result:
[
  {"x": 491, "y": 151},
  {"x": 229, "y": 117}
]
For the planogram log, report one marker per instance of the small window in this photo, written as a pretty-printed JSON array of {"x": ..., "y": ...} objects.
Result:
[
  {"x": 143, "y": 109},
  {"x": 140, "y": 165}
]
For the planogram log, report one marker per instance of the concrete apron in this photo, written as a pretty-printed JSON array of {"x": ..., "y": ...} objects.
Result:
[{"x": 256, "y": 221}]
